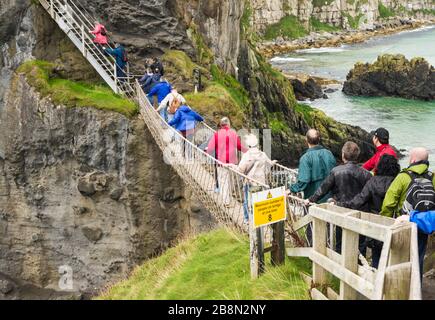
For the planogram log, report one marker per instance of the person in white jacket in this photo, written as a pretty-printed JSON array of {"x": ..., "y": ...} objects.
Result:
[
  {"x": 255, "y": 164},
  {"x": 167, "y": 102}
]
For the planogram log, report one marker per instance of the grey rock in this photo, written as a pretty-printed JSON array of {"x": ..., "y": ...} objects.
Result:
[
  {"x": 116, "y": 193},
  {"x": 86, "y": 187},
  {"x": 92, "y": 234},
  {"x": 6, "y": 287}
]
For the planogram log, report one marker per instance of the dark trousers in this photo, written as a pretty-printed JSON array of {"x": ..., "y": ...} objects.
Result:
[
  {"x": 362, "y": 246},
  {"x": 120, "y": 73},
  {"x": 422, "y": 246}
]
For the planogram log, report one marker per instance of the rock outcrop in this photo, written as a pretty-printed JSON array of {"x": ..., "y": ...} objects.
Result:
[
  {"x": 306, "y": 87},
  {"x": 82, "y": 190},
  {"x": 392, "y": 75},
  {"x": 357, "y": 14}
]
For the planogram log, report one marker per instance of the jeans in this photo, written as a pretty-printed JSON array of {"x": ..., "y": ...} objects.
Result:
[
  {"x": 246, "y": 202},
  {"x": 422, "y": 246},
  {"x": 164, "y": 114}
]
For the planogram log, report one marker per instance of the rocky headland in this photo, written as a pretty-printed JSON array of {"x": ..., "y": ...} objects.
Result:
[{"x": 392, "y": 75}]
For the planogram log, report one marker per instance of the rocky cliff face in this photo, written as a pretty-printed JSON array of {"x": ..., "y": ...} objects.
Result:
[
  {"x": 83, "y": 189},
  {"x": 342, "y": 13}
]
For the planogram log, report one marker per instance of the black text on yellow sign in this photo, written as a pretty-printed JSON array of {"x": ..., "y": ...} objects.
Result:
[{"x": 269, "y": 211}]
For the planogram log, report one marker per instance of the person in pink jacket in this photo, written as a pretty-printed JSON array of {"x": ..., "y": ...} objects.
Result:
[
  {"x": 224, "y": 146},
  {"x": 100, "y": 34}
]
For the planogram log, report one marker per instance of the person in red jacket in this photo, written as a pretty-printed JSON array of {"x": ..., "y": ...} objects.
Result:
[
  {"x": 224, "y": 146},
  {"x": 381, "y": 139},
  {"x": 100, "y": 35}
]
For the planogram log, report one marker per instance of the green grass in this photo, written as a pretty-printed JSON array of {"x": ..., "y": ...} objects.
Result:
[
  {"x": 316, "y": 25},
  {"x": 179, "y": 63},
  {"x": 211, "y": 266},
  {"x": 353, "y": 21},
  {"x": 236, "y": 90},
  {"x": 321, "y": 3},
  {"x": 40, "y": 75},
  {"x": 385, "y": 12},
  {"x": 216, "y": 102},
  {"x": 288, "y": 26}
]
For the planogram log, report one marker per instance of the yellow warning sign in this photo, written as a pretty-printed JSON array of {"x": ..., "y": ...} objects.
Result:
[{"x": 269, "y": 207}]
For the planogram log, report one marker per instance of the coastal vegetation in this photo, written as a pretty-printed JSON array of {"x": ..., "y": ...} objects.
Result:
[
  {"x": 288, "y": 27},
  {"x": 214, "y": 265},
  {"x": 41, "y": 75}
]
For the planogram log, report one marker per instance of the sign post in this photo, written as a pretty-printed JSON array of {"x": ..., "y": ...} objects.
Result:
[{"x": 268, "y": 208}]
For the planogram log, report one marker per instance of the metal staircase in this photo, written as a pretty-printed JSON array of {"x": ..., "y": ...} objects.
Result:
[
  {"x": 76, "y": 24},
  {"x": 199, "y": 170}
]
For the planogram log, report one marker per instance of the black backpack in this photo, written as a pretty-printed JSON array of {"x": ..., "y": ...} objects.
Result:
[
  {"x": 421, "y": 194},
  {"x": 124, "y": 56}
]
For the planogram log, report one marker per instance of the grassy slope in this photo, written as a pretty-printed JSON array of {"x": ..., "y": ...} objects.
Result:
[
  {"x": 222, "y": 96},
  {"x": 211, "y": 266},
  {"x": 71, "y": 93},
  {"x": 288, "y": 26}
]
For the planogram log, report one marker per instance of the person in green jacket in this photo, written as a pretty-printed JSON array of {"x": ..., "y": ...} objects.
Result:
[
  {"x": 314, "y": 166},
  {"x": 396, "y": 194}
]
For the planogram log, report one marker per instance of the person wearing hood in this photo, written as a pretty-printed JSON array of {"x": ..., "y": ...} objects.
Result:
[
  {"x": 100, "y": 34},
  {"x": 254, "y": 164},
  {"x": 185, "y": 121},
  {"x": 373, "y": 195},
  {"x": 161, "y": 90},
  {"x": 394, "y": 202}
]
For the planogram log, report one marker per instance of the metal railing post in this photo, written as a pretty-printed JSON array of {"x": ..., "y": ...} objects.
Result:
[
  {"x": 83, "y": 40},
  {"x": 51, "y": 8}
]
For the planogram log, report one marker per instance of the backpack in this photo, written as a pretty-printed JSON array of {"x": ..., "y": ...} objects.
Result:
[
  {"x": 175, "y": 104},
  {"x": 124, "y": 56},
  {"x": 421, "y": 194}
]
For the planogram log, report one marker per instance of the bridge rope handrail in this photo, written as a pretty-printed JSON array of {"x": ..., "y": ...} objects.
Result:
[{"x": 227, "y": 205}]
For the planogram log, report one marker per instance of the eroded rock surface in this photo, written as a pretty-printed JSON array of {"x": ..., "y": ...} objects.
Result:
[
  {"x": 82, "y": 189},
  {"x": 392, "y": 75}
]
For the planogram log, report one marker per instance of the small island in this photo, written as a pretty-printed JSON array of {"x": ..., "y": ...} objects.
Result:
[{"x": 392, "y": 75}]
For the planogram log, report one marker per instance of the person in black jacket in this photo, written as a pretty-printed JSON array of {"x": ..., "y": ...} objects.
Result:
[
  {"x": 344, "y": 183},
  {"x": 372, "y": 196},
  {"x": 157, "y": 67}
]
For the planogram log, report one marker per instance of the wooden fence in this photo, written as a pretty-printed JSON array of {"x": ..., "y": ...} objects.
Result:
[{"x": 398, "y": 273}]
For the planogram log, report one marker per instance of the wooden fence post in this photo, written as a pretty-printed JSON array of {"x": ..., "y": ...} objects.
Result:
[
  {"x": 278, "y": 244},
  {"x": 349, "y": 260},
  {"x": 256, "y": 251},
  {"x": 319, "y": 245}
]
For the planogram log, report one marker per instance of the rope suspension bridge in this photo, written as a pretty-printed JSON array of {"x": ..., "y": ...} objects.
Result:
[{"x": 199, "y": 171}]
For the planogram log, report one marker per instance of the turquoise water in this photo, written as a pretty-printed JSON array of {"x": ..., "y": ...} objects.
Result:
[{"x": 410, "y": 122}]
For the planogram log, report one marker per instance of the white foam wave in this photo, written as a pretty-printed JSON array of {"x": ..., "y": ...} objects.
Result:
[
  {"x": 322, "y": 50},
  {"x": 286, "y": 59}
]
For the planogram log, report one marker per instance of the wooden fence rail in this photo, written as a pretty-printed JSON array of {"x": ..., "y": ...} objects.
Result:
[{"x": 398, "y": 273}]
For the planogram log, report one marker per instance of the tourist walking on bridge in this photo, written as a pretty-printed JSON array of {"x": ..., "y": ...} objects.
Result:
[
  {"x": 372, "y": 196},
  {"x": 224, "y": 145},
  {"x": 185, "y": 121},
  {"x": 344, "y": 183},
  {"x": 314, "y": 166},
  {"x": 170, "y": 104},
  {"x": 381, "y": 140},
  {"x": 254, "y": 164},
  {"x": 160, "y": 90},
  {"x": 120, "y": 56},
  {"x": 411, "y": 193}
]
